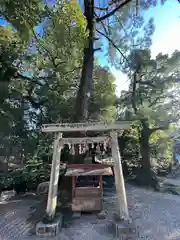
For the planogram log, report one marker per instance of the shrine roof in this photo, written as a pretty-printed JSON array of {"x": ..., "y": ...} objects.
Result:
[{"x": 88, "y": 170}]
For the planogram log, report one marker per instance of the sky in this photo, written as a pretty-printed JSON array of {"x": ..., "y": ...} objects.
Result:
[{"x": 166, "y": 37}]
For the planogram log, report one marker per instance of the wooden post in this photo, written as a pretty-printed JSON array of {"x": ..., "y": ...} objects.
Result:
[
  {"x": 119, "y": 178},
  {"x": 53, "y": 185}
]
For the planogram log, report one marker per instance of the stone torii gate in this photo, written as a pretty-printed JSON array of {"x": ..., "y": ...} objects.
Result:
[{"x": 59, "y": 141}]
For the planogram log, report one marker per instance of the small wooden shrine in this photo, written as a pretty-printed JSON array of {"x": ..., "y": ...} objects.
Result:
[
  {"x": 87, "y": 195},
  {"x": 87, "y": 198}
]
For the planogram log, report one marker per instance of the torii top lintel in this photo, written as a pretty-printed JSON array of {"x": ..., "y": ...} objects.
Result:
[{"x": 84, "y": 127}]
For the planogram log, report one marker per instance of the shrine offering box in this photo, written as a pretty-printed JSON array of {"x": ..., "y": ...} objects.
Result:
[{"x": 87, "y": 185}]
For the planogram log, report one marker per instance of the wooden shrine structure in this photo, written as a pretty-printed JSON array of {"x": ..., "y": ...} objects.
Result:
[
  {"x": 75, "y": 170},
  {"x": 87, "y": 198}
]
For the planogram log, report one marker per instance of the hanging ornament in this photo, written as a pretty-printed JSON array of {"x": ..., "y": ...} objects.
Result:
[
  {"x": 73, "y": 149},
  {"x": 69, "y": 147},
  {"x": 109, "y": 143},
  {"x": 83, "y": 148},
  {"x": 87, "y": 146},
  {"x": 105, "y": 145},
  {"x": 102, "y": 151},
  {"x": 98, "y": 150},
  {"x": 90, "y": 148},
  {"x": 101, "y": 147},
  {"x": 95, "y": 146},
  {"x": 108, "y": 146},
  {"x": 80, "y": 149}
]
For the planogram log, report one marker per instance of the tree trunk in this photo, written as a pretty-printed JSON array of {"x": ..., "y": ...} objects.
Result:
[
  {"x": 83, "y": 95},
  {"x": 144, "y": 146},
  {"x": 146, "y": 175},
  {"x": 85, "y": 86}
]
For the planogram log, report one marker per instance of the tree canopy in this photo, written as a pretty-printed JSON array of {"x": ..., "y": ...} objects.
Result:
[
  {"x": 50, "y": 71},
  {"x": 151, "y": 100}
]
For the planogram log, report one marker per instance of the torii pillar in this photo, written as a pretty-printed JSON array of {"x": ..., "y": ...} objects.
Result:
[
  {"x": 119, "y": 178},
  {"x": 53, "y": 185},
  {"x": 51, "y": 227}
]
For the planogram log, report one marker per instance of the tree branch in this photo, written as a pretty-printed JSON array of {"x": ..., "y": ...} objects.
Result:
[
  {"x": 113, "y": 11},
  {"x": 149, "y": 83},
  {"x": 33, "y": 102},
  {"x": 133, "y": 99},
  {"x": 52, "y": 58},
  {"x": 100, "y": 8},
  {"x": 152, "y": 130},
  {"x": 33, "y": 80},
  {"x": 109, "y": 39},
  {"x": 73, "y": 70},
  {"x": 97, "y": 49}
]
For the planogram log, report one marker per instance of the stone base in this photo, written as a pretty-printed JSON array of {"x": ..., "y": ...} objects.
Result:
[
  {"x": 49, "y": 229},
  {"x": 123, "y": 230},
  {"x": 6, "y": 195},
  {"x": 76, "y": 215},
  {"x": 101, "y": 215}
]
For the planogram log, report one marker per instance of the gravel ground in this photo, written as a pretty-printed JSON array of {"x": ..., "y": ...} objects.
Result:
[{"x": 155, "y": 214}]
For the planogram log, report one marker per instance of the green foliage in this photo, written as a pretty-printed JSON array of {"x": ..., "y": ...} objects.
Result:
[
  {"x": 23, "y": 16},
  {"x": 40, "y": 76},
  {"x": 155, "y": 83},
  {"x": 103, "y": 98},
  {"x": 161, "y": 149},
  {"x": 11, "y": 105},
  {"x": 130, "y": 150},
  {"x": 127, "y": 32},
  {"x": 151, "y": 96},
  {"x": 73, "y": 11},
  {"x": 43, "y": 84},
  {"x": 26, "y": 178}
]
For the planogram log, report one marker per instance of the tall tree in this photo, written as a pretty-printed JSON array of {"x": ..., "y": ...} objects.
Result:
[
  {"x": 85, "y": 87},
  {"x": 109, "y": 19},
  {"x": 12, "y": 106},
  {"x": 151, "y": 97},
  {"x": 29, "y": 15},
  {"x": 46, "y": 73}
]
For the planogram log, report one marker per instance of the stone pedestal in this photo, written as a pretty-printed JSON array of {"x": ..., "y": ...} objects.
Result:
[
  {"x": 49, "y": 229},
  {"x": 6, "y": 195},
  {"x": 76, "y": 215},
  {"x": 101, "y": 215},
  {"x": 123, "y": 230}
]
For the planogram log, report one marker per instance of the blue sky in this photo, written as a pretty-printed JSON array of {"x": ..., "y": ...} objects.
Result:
[
  {"x": 165, "y": 39},
  {"x": 2, "y": 22}
]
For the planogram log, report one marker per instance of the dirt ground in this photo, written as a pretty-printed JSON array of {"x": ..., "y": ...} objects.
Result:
[{"x": 156, "y": 216}]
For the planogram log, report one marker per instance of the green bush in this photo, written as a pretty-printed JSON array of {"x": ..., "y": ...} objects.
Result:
[{"x": 26, "y": 178}]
